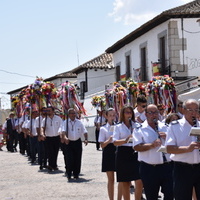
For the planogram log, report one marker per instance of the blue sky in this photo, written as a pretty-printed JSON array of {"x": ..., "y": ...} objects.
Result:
[{"x": 43, "y": 37}]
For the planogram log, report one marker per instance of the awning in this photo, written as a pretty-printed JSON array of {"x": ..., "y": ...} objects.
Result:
[{"x": 193, "y": 94}]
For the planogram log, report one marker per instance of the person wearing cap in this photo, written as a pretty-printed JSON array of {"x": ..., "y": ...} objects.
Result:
[
  {"x": 155, "y": 166},
  {"x": 184, "y": 150}
]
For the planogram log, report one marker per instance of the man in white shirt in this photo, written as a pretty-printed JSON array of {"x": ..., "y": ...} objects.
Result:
[
  {"x": 139, "y": 111},
  {"x": 184, "y": 151},
  {"x": 23, "y": 139},
  {"x": 33, "y": 136},
  {"x": 42, "y": 149},
  {"x": 50, "y": 130},
  {"x": 72, "y": 131},
  {"x": 155, "y": 167}
]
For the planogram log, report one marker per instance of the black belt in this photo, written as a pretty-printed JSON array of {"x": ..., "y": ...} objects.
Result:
[
  {"x": 187, "y": 164},
  {"x": 154, "y": 165}
]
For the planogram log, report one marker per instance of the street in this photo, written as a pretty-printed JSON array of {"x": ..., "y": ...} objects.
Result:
[{"x": 22, "y": 181}]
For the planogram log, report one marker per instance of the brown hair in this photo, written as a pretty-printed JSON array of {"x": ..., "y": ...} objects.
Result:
[
  {"x": 168, "y": 120},
  {"x": 122, "y": 113}
]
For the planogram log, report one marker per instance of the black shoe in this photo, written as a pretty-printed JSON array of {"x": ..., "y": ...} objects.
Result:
[
  {"x": 68, "y": 176},
  {"x": 76, "y": 177},
  {"x": 50, "y": 169},
  {"x": 41, "y": 167},
  {"x": 55, "y": 169}
]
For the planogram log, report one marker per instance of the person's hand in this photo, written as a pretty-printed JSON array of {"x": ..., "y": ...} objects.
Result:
[
  {"x": 162, "y": 135},
  {"x": 66, "y": 140},
  {"x": 110, "y": 139},
  {"x": 156, "y": 143},
  {"x": 86, "y": 142},
  {"x": 193, "y": 145},
  {"x": 42, "y": 137}
]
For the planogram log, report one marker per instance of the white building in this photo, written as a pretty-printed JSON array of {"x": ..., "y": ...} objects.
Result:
[
  {"x": 169, "y": 40},
  {"x": 93, "y": 78}
]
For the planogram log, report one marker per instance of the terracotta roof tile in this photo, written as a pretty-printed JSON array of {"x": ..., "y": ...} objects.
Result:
[{"x": 104, "y": 61}]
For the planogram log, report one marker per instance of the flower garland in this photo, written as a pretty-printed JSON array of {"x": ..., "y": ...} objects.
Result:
[
  {"x": 159, "y": 90},
  {"x": 69, "y": 98}
]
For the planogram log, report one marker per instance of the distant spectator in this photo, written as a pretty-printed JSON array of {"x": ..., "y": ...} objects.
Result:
[
  {"x": 172, "y": 117},
  {"x": 162, "y": 114},
  {"x": 1, "y": 138},
  {"x": 180, "y": 109},
  {"x": 139, "y": 111}
]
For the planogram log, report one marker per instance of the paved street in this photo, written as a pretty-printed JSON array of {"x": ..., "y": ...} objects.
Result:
[{"x": 22, "y": 181}]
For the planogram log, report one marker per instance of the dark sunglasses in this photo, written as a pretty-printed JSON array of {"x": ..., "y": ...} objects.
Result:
[{"x": 144, "y": 106}]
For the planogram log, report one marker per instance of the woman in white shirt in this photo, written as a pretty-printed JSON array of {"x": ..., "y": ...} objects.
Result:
[
  {"x": 108, "y": 154},
  {"x": 127, "y": 165}
]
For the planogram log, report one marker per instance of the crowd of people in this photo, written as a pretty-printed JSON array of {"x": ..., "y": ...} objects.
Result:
[
  {"x": 153, "y": 149},
  {"x": 145, "y": 145},
  {"x": 41, "y": 134}
]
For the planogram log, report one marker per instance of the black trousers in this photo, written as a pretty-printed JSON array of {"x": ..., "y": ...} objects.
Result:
[
  {"x": 63, "y": 149},
  {"x": 22, "y": 142},
  {"x": 42, "y": 153},
  {"x": 73, "y": 155},
  {"x": 53, "y": 145},
  {"x": 97, "y": 138},
  {"x": 186, "y": 177},
  {"x": 13, "y": 140},
  {"x": 154, "y": 177}
]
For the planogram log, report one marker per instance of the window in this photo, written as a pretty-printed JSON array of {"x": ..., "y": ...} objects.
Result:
[
  {"x": 118, "y": 73},
  {"x": 162, "y": 55},
  {"x": 128, "y": 67},
  {"x": 83, "y": 89},
  {"x": 143, "y": 64}
]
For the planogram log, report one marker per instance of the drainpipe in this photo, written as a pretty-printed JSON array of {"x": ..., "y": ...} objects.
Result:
[
  {"x": 86, "y": 80},
  {"x": 183, "y": 52}
]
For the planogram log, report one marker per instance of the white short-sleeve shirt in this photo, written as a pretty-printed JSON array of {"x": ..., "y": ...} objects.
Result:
[
  {"x": 105, "y": 132},
  {"x": 178, "y": 135},
  {"x": 121, "y": 131},
  {"x": 32, "y": 127},
  {"x": 146, "y": 134},
  {"x": 138, "y": 114},
  {"x": 76, "y": 129},
  {"x": 52, "y": 125}
]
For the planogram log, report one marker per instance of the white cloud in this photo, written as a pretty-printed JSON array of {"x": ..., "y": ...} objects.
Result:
[{"x": 137, "y": 12}]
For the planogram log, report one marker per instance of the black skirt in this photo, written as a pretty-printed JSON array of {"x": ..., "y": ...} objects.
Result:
[
  {"x": 108, "y": 158},
  {"x": 127, "y": 164}
]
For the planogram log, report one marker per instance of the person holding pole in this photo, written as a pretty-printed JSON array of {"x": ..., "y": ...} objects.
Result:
[
  {"x": 50, "y": 130},
  {"x": 72, "y": 131}
]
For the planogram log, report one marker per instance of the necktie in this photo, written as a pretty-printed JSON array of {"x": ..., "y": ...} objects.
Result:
[
  {"x": 163, "y": 154},
  {"x": 13, "y": 124}
]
